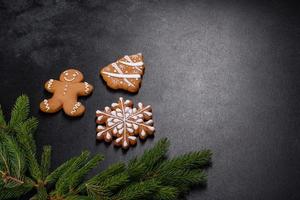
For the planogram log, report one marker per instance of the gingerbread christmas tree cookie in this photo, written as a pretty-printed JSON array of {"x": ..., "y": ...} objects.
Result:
[
  {"x": 65, "y": 93},
  {"x": 126, "y": 73},
  {"x": 122, "y": 123}
]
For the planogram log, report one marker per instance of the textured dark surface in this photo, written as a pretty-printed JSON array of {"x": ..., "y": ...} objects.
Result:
[{"x": 222, "y": 75}]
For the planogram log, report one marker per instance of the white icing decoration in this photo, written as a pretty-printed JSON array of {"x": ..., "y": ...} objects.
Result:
[
  {"x": 118, "y": 140},
  {"x": 148, "y": 113},
  {"x": 115, "y": 130},
  {"x": 114, "y": 104},
  {"x": 136, "y": 76},
  {"x": 139, "y": 120},
  {"x": 125, "y": 144},
  {"x": 108, "y": 136},
  {"x": 149, "y": 122},
  {"x": 129, "y": 62},
  {"x": 69, "y": 80},
  {"x": 46, "y": 105},
  {"x": 137, "y": 64},
  {"x": 99, "y": 134},
  {"x": 127, "y": 102},
  {"x": 140, "y": 105},
  {"x": 132, "y": 138},
  {"x": 50, "y": 84},
  {"x": 121, "y": 73},
  {"x": 65, "y": 89},
  {"x": 130, "y": 130},
  {"x": 87, "y": 88},
  {"x": 143, "y": 133},
  {"x": 151, "y": 128},
  {"x": 75, "y": 108},
  {"x": 110, "y": 124},
  {"x": 99, "y": 127},
  {"x": 135, "y": 127}
]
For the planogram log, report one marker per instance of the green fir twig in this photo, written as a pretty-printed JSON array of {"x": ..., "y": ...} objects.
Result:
[{"x": 150, "y": 176}]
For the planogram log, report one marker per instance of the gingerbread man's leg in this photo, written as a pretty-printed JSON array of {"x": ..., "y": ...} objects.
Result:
[
  {"x": 50, "y": 105},
  {"x": 73, "y": 108}
]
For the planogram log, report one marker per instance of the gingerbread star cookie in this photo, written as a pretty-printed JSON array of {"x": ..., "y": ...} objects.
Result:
[
  {"x": 125, "y": 73},
  {"x": 122, "y": 123},
  {"x": 65, "y": 93}
]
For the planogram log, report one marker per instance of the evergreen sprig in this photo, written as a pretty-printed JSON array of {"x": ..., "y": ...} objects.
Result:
[{"x": 151, "y": 176}]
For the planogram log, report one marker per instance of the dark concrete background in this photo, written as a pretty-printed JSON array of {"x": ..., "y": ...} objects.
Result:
[{"x": 222, "y": 75}]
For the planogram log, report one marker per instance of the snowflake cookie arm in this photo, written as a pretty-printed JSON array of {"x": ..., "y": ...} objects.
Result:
[
  {"x": 51, "y": 85},
  {"x": 103, "y": 132},
  {"x": 141, "y": 120},
  {"x": 84, "y": 88}
]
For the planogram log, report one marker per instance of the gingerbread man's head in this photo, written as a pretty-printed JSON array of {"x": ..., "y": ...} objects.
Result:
[{"x": 71, "y": 75}]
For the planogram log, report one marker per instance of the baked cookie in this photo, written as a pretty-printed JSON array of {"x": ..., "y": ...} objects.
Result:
[
  {"x": 126, "y": 73},
  {"x": 123, "y": 123},
  {"x": 65, "y": 93}
]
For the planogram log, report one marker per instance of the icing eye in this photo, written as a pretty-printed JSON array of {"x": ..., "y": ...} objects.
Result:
[
  {"x": 74, "y": 75},
  {"x": 66, "y": 73}
]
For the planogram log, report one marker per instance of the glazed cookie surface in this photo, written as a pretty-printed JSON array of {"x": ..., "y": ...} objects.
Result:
[
  {"x": 126, "y": 73},
  {"x": 65, "y": 93},
  {"x": 122, "y": 123}
]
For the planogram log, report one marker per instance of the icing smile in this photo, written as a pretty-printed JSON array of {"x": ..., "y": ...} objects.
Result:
[
  {"x": 67, "y": 79},
  {"x": 73, "y": 77}
]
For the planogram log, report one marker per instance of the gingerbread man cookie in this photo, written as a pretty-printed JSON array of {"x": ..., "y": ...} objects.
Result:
[
  {"x": 65, "y": 93},
  {"x": 125, "y": 73}
]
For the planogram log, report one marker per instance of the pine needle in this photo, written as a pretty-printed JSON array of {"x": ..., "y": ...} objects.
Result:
[
  {"x": 20, "y": 111},
  {"x": 45, "y": 161}
]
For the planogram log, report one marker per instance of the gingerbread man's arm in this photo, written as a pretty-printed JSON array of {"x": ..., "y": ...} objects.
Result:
[
  {"x": 84, "y": 89},
  {"x": 51, "y": 85}
]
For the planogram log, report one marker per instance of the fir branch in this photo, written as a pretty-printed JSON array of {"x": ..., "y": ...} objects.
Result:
[
  {"x": 63, "y": 182},
  {"x": 136, "y": 191},
  {"x": 20, "y": 111},
  {"x": 45, "y": 161},
  {"x": 192, "y": 160},
  {"x": 149, "y": 160},
  {"x": 28, "y": 126},
  {"x": 4, "y": 160},
  {"x": 77, "y": 197},
  {"x": 77, "y": 176},
  {"x": 103, "y": 190},
  {"x": 15, "y": 158},
  {"x": 166, "y": 193},
  {"x": 26, "y": 141},
  {"x": 112, "y": 170},
  {"x": 41, "y": 193},
  {"x": 9, "y": 193},
  {"x": 7, "y": 178},
  {"x": 182, "y": 178},
  {"x": 54, "y": 176}
]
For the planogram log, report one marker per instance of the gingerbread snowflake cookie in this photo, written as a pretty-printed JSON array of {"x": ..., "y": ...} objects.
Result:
[
  {"x": 125, "y": 73},
  {"x": 123, "y": 123},
  {"x": 65, "y": 93}
]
